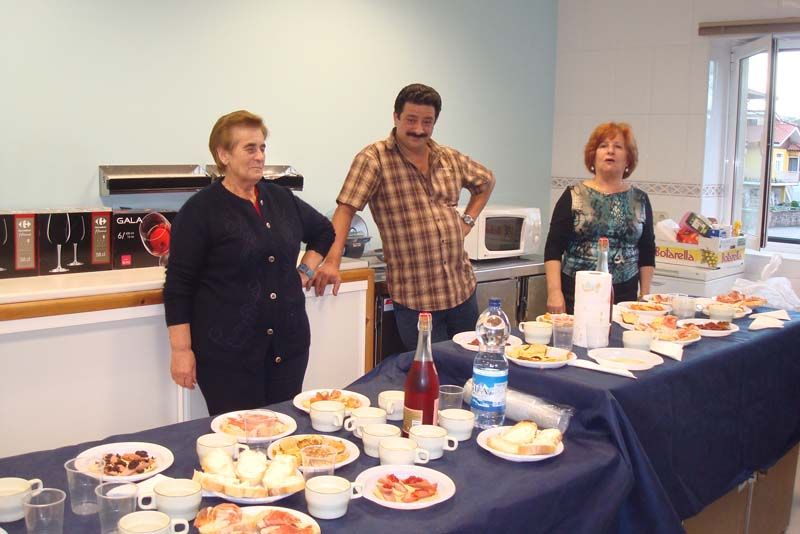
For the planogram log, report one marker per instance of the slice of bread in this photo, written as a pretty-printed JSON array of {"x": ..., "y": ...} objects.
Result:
[
  {"x": 251, "y": 466},
  {"x": 522, "y": 432},
  {"x": 525, "y": 438},
  {"x": 281, "y": 475}
]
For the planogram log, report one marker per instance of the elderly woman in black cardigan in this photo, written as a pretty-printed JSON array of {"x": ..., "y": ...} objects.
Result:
[{"x": 233, "y": 296}]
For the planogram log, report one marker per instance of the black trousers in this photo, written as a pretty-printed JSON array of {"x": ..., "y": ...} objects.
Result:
[
  {"x": 238, "y": 385},
  {"x": 624, "y": 291}
]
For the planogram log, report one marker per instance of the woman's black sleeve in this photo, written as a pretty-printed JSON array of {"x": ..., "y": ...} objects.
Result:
[
  {"x": 561, "y": 227},
  {"x": 647, "y": 243}
]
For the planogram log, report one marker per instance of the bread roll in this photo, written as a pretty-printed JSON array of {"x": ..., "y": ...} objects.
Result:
[
  {"x": 251, "y": 466},
  {"x": 218, "y": 462}
]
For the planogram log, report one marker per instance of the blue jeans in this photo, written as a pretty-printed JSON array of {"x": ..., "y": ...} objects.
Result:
[{"x": 446, "y": 323}]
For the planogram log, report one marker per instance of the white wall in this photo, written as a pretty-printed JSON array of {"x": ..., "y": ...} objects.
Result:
[{"x": 93, "y": 82}]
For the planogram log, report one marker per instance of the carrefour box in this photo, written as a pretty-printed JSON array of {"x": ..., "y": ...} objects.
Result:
[
  {"x": 18, "y": 252},
  {"x": 74, "y": 240},
  {"x": 141, "y": 237},
  {"x": 709, "y": 253}
]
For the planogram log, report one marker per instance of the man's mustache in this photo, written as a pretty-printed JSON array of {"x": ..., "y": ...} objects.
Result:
[{"x": 418, "y": 136}]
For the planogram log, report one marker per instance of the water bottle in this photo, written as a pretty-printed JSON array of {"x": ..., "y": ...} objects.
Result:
[{"x": 490, "y": 368}]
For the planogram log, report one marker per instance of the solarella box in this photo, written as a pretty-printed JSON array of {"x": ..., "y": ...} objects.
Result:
[
  {"x": 74, "y": 240},
  {"x": 141, "y": 237},
  {"x": 18, "y": 252}
]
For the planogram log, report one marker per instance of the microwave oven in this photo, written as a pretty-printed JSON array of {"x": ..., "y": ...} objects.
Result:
[{"x": 503, "y": 232}]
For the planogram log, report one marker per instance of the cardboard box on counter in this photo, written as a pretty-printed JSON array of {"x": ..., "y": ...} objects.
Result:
[
  {"x": 18, "y": 252},
  {"x": 709, "y": 253},
  {"x": 132, "y": 228},
  {"x": 74, "y": 240}
]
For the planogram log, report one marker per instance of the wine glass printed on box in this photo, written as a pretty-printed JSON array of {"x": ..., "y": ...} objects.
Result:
[
  {"x": 155, "y": 233},
  {"x": 77, "y": 222},
  {"x": 3, "y": 238},
  {"x": 58, "y": 233}
]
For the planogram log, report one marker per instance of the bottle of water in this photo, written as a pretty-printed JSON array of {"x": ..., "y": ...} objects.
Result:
[{"x": 490, "y": 368}]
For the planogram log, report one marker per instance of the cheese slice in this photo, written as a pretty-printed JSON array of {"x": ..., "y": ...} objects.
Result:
[{"x": 671, "y": 350}]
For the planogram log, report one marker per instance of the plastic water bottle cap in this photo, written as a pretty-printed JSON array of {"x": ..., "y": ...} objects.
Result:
[{"x": 494, "y": 302}]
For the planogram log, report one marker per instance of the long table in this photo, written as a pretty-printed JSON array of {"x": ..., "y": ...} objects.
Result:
[
  {"x": 691, "y": 430},
  {"x": 578, "y": 491}
]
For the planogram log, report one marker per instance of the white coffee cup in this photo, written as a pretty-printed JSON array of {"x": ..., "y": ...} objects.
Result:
[
  {"x": 401, "y": 451},
  {"x": 219, "y": 441},
  {"x": 364, "y": 416},
  {"x": 327, "y": 416},
  {"x": 12, "y": 491},
  {"x": 327, "y": 496},
  {"x": 179, "y": 498},
  {"x": 458, "y": 423},
  {"x": 392, "y": 401},
  {"x": 433, "y": 439},
  {"x": 536, "y": 331},
  {"x": 636, "y": 339},
  {"x": 151, "y": 522},
  {"x": 372, "y": 435}
]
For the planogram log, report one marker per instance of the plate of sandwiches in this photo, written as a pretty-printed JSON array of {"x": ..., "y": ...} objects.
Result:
[
  {"x": 405, "y": 487},
  {"x": 737, "y": 298},
  {"x": 659, "y": 298},
  {"x": 548, "y": 317},
  {"x": 537, "y": 356},
  {"x": 711, "y": 328},
  {"x": 125, "y": 462},
  {"x": 254, "y": 426},
  {"x": 350, "y": 399},
  {"x": 523, "y": 442},
  {"x": 228, "y": 518},
  {"x": 645, "y": 308},
  {"x": 469, "y": 341},
  {"x": 346, "y": 451},
  {"x": 252, "y": 479}
]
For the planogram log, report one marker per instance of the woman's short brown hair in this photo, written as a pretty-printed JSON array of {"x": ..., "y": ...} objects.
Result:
[
  {"x": 609, "y": 130},
  {"x": 221, "y": 132}
]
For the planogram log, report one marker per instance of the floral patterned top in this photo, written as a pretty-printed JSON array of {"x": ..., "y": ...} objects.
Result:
[{"x": 583, "y": 215}]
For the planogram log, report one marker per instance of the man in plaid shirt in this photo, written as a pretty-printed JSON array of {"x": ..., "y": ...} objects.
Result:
[{"x": 412, "y": 185}]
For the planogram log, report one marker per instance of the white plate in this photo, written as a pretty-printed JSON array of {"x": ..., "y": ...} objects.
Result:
[
  {"x": 543, "y": 365},
  {"x": 163, "y": 456},
  {"x": 680, "y": 341},
  {"x": 543, "y": 319},
  {"x": 306, "y": 520},
  {"x": 627, "y": 307},
  {"x": 652, "y": 297},
  {"x": 483, "y": 442},
  {"x": 630, "y": 359},
  {"x": 244, "y": 500},
  {"x": 464, "y": 339},
  {"x": 709, "y": 333},
  {"x": 741, "y": 312},
  {"x": 300, "y": 397},
  {"x": 290, "y": 423},
  {"x": 445, "y": 487},
  {"x": 351, "y": 448}
]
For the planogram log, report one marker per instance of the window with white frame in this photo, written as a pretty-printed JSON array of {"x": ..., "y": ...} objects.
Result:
[{"x": 763, "y": 144}]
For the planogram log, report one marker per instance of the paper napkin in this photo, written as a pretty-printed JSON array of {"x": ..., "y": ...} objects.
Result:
[
  {"x": 775, "y": 314},
  {"x": 765, "y": 322},
  {"x": 586, "y": 364},
  {"x": 666, "y": 348}
]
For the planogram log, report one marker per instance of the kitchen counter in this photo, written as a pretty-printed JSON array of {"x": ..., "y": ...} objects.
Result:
[{"x": 485, "y": 270}]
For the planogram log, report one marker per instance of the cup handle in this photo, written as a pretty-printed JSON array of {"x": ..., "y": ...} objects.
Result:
[
  {"x": 175, "y": 523},
  {"x": 450, "y": 443},
  {"x": 356, "y": 490},
  {"x": 35, "y": 486},
  {"x": 358, "y": 432},
  {"x": 350, "y": 424},
  {"x": 241, "y": 447},
  {"x": 338, "y": 419},
  {"x": 421, "y": 456},
  {"x": 390, "y": 407},
  {"x": 522, "y": 326},
  {"x": 147, "y": 506}
]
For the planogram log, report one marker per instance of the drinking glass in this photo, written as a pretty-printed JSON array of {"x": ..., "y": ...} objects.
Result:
[
  {"x": 44, "y": 511},
  {"x": 318, "y": 460},
  {"x": 562, "y": 331},
  {"x": 155, "y": 232},
  {"x": 82, "y": 480},
  {"x": 115, "y": 500},
  {"x": 450, "y": 397},
  {"x": 683, "y": 306},
  {"x": 58, "y": 232},
  {"x": 77, "y": 222}
]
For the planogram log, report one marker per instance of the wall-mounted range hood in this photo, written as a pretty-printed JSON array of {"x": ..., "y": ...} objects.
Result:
[
  {"x": 126, "y": 179},
  {"x": 284, "y": 175},
  {"x": 129, "y": 179}
]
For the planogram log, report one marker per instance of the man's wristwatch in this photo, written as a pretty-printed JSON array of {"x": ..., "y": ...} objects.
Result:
[
  {"x": 306, "y": 270},
  {"x": 468, "y": 220}
]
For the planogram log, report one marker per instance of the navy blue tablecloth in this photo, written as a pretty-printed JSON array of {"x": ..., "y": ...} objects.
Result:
[
  {"x": 579, "y": 491},
  {"x": 692, "y": 429}
]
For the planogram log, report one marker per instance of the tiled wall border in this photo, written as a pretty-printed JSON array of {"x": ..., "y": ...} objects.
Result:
[{"x": 670, "y": 189}]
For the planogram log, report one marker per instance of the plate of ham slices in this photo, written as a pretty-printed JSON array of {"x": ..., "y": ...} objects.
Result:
[
  {"x": 405, "y": 487},
  {"x": 254, "y": 426},
  {"x": 469, "y": 340},
  {"x": 229, "y": 518}
]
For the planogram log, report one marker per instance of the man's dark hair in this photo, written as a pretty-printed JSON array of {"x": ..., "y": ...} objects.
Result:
[{"x": 419, "y": 94}]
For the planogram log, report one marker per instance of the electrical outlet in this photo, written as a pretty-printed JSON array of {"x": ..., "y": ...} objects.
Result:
[{"x": 659, "y": 216}]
